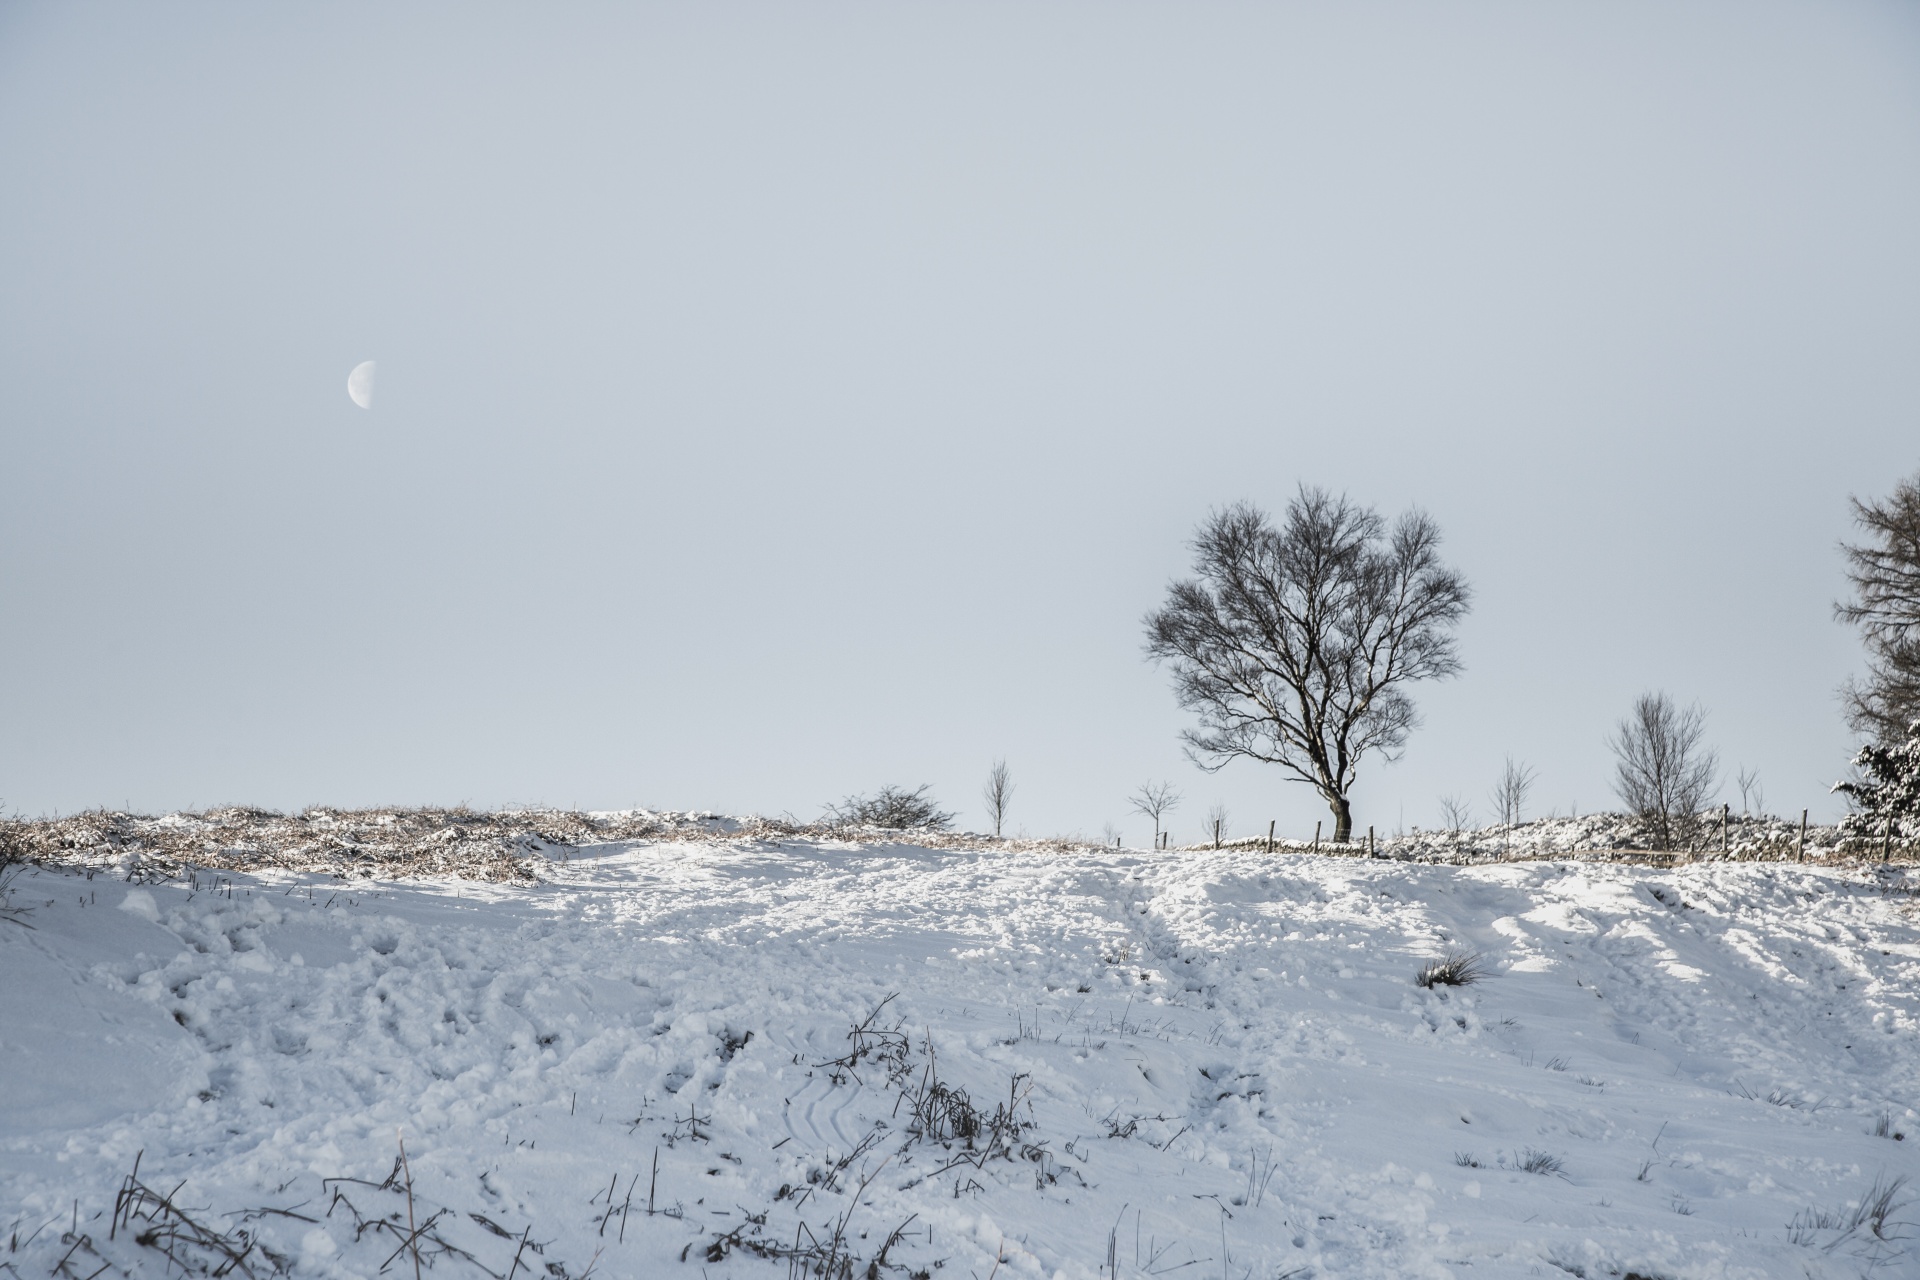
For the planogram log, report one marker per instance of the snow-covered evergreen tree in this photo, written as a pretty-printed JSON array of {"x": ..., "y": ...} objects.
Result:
[{"x": 1887, "y": 786}]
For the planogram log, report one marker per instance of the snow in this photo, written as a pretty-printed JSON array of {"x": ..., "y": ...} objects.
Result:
[{"x": 1205, "y": 1063}]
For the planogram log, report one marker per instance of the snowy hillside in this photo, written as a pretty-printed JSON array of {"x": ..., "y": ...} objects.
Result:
[{"x": 697, "y": 1057}]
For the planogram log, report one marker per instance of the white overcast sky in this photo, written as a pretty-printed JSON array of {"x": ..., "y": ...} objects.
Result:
[{"x": 777, "y": 400}]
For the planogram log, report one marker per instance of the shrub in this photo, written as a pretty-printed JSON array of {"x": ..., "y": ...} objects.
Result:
[
  {"x": 893, "y": 808},
  {"x": 13, "y": 862}
]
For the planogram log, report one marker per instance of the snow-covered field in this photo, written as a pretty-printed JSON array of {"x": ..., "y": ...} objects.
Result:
[{"x": 1196, "y": 1064}]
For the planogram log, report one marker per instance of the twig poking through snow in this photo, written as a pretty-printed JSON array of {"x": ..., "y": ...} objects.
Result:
[{"x": 413, "y": 1233}]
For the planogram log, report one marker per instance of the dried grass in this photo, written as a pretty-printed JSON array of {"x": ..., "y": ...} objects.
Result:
[
  {"x": 1456, "y": 969},
  {"x": 362, "y": 843},
  {"x": 1870, "y": 1220},
  {"x": 497, "y": 845},
  {"x": 508, "y": 845}
]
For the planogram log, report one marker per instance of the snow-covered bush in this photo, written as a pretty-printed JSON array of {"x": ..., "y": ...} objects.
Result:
[{"x": 1885, "y": 791}]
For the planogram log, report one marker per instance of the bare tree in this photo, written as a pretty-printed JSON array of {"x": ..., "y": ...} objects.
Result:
[
  {"x": 1455, "y": 813},
  {"x": 1217, "y": 823},
  {"x": 1154, "y": 800},
  {"x": 1885, "y": 574},
  {"x": 998, "y": 793},
  {"x": 1509, "y": 795},
  {"x": 1663, "y": 772},
  {"x": 1294, "y": 643},
  {"x": 1753, "y": 800}
]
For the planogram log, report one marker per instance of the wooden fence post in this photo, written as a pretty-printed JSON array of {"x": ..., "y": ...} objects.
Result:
[
  {"x": 1803, "y": 835},
  {"x": 1726, "y": 817},
  {"x": 1316, "y": 837},
  {"x": 1370, "y": 852},
  {"x": 1270, "y": 823}
]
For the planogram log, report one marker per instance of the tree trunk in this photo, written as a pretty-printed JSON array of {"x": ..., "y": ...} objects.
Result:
[{"x": 1342, "y": 819}]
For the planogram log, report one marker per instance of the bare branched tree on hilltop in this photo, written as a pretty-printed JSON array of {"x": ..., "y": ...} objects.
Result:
[
  {"x": 998, "y": 793},
  {"x": 1664, "y": 772},
  {"x": 1154, "y": 800},
  {"x": 1509, "y": 795},
  {"x": 1885, "y": 573},
  {"x": 1294, "y": 643}
]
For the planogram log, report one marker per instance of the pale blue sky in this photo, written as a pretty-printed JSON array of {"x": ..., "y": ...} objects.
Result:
[{"x": 778, "y": 401}]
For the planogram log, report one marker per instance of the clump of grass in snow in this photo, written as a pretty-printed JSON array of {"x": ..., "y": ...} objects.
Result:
[
  {"x": 872, "y": 1039},
  {"x": 830, "y": 1254},
  {"x": 1260, "y": 1171},
  {"x": 1458, "y": 969},
  {"x": 939, "y": 1114},
  {"x": 1883, "y": 1127},
  {"x": 156, "y": 1222},
  {"x": 1873, "y": 1217},
  {"x": 1778, "y": 1098},
  {"x": 1529, "y": 1160}
]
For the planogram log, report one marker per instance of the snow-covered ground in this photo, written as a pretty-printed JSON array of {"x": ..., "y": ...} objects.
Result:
[{"x": 1196, "y": 1064}]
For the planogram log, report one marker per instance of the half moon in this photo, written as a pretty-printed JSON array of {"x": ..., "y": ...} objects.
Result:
[{"x": 360, "y": 384}]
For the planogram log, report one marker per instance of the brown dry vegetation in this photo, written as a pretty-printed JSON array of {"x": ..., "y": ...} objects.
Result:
[
  {"x": 348, "y": 843},
  {"x": 501, "y": 845},
  {"x": 510, "y": 844}
]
